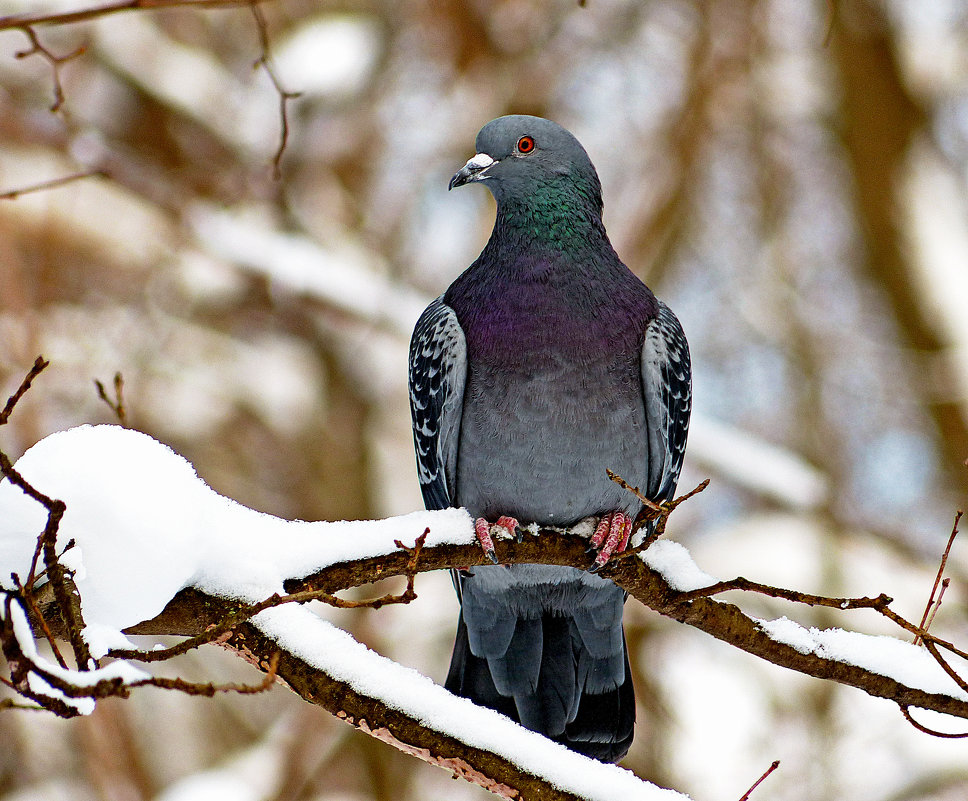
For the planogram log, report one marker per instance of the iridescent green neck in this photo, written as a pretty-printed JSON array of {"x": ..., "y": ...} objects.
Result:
[{"x": 556, "y": 213}]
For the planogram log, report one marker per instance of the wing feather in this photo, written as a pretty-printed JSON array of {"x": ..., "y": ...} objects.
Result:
[
  {"x": 667, "y": 392},
  {"x": 438, "y": 372}
]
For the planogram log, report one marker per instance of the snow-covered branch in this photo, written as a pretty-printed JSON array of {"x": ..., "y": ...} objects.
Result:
[
  {"x": 664, "y": 580},
  {"x": 156, "y": 551}
]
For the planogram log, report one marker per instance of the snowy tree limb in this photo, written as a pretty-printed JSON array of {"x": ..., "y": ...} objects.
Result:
[
  {"x": 193, "y": 612},
  {"x": 190, "y": 612},
  {"x": 495, "y": 773},
  {"x": 324, "y": 665}
]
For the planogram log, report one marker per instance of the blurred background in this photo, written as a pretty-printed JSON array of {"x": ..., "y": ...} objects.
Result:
[{"x": 791, "y": 176}]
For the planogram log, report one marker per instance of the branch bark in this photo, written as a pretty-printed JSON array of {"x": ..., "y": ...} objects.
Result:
[
  {"x": 372, "y": 716},
  {"x": 96, "y": 11},
  {"x": 191, "y": 611}
]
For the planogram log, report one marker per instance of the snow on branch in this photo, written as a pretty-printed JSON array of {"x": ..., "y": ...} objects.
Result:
[
  {"x": 105, "y": 532},
  {"x": 112, "y": 568}
]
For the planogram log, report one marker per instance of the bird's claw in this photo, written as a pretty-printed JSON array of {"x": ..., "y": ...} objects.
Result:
[
  {"x": 483, "y": 530},
  {"x": 611, "y": 536}
]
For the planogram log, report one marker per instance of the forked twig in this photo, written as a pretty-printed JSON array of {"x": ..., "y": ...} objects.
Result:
[
  {"x": 231, "y": 622},
  {"x": 925, "y": 622},
  {"x": 23, "y": 666},
  {"x": 112, "y": 7},
  {"x": 266, "y": 62},
  {"x": 37, "y": 48},
  {"x": 116, "y": 405},
  {"x": 651, "y": 511}
]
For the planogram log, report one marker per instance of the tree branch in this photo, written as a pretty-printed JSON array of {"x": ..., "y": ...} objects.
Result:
[
  {"x": 191, "y": 611},
  {"x": 37, "y": 48},
  {"x": 372, "y": 716},
  {"x": 94, "y": 12},
  {"x": 266, "y": 62},
  {"x": 13, "y": 194},
  {"x": 280, "y": 638}
]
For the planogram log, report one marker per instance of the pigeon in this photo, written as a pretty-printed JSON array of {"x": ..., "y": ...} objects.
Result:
[{"x": 545, "y": 363}]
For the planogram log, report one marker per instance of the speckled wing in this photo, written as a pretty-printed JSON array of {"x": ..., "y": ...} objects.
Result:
[
  {"x": 438, "y": 373},
  {"x": 667, "y": 392}
]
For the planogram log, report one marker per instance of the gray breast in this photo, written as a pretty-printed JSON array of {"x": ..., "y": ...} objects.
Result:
[{"x": 536, "y": 440}]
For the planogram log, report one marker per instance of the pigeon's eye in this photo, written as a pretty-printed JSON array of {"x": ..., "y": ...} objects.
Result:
[{"x": 525, "y": 144}]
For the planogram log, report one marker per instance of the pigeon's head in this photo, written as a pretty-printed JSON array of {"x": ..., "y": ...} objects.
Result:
[{"x": 520, "y": 157}]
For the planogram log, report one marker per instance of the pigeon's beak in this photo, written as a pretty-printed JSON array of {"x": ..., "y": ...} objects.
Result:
[{"x": 474, "y": 170}]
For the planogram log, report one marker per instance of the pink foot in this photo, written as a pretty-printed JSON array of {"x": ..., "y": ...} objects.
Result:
[
  {"x": 611, "y": 536},
  {"x": 483, "y": 530}
]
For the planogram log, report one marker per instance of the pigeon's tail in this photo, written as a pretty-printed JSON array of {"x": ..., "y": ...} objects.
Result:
[{"x": 549, "y": 680}]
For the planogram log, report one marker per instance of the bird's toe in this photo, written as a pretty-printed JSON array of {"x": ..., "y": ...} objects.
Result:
[
  {"x": 483, "y": 530},
  {"x": 611, "y": 536}
]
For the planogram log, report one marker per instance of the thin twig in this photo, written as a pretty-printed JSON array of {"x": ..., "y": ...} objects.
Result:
[
  {"x": 28, "y": 598},
  {"x": 652, "y": 511},
  {"x": 796, "y": 596},
  {"x": 933, "y": 732},
  {"x": 231, "y": 622},
  {"x": 39, "y": 364},
  {"x": 911, "y": 628},
  {"x": 759, "y": 781},
  {"x": 663, "y": 518},
  {"x": 37, "y": 48},
  {"x": 22, "y": 666},
  {"x": 208, "y": 690},
  {"x": 116, "y": 687},
  {"x": 937, "y": 579},
  {"x": 13, "y": 194},
  {"x": 880, "y": 604},
  {"x": 937, "y": 604},
  {"x": 85, "y": 14},
  {"x": 933, "y": 650},
  {"x": 116, "y": 405},
  {"x": 265, "y": 61},
  {"x": 647, "y": 502}
]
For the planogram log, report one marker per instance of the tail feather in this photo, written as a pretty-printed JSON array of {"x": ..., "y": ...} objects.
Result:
[
  {"x": 605, "y": 722},
  {"x": 600, "y": 628},
  {"x": 576, "y": 700},
  {"x": 516, "y": 669},
  {"x": 469, "y": 677}
]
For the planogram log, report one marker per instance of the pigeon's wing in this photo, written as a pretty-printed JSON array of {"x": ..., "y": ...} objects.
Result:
[
  {"x": 667, "y": 392},
  {"x": 438, "y": 372}
]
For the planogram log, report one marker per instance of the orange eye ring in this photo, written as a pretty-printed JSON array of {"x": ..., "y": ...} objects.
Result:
[{"x": 525, "y": 145}]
